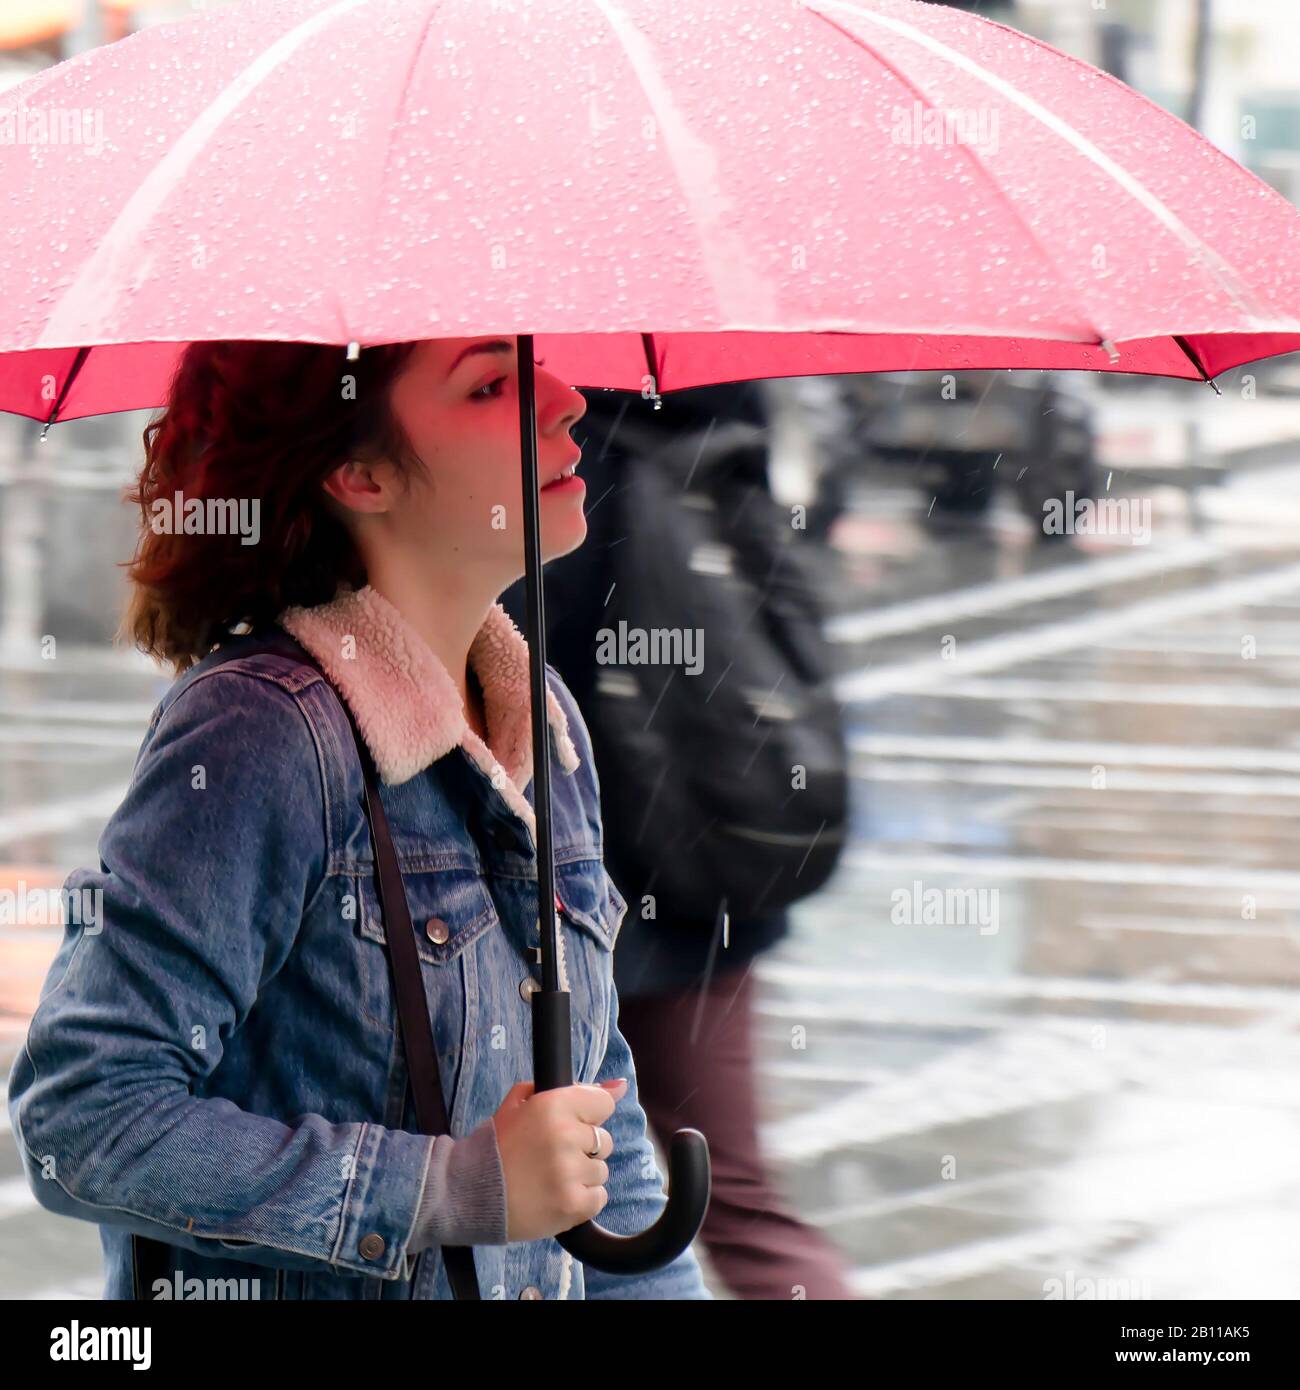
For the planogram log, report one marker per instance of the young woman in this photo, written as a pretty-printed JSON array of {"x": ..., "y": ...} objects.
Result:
[{"x": 215, "y": 1060}]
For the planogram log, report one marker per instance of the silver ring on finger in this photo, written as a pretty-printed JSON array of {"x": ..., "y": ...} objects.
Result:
[{"x": 595, "y": 1151}]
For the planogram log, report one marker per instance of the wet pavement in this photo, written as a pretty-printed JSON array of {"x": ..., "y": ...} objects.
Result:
[
  {"x": 1040, "y": 1033},
  {"x": 1050, "y": 996}
]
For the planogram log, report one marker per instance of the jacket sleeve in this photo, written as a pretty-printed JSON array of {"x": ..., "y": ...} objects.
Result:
[
  {"x": 464, "y": 1200},
  {"x": 636, "y": 1189},
  {"x": 206, "y": 870}
]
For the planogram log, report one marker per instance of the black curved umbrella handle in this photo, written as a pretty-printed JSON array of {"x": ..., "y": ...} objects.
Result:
[{"x": 688, "y": 1164}]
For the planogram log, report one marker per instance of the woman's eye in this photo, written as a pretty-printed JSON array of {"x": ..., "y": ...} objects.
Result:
[
  {"x": 492, "y": 394},
  {"x": 490, "y": 387}
]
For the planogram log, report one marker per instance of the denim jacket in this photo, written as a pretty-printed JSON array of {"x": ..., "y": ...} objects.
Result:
[{"x": 214, "y": 1061}]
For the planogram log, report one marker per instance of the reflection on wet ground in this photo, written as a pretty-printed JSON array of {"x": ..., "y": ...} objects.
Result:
[{"x": 1050, "y": 996}]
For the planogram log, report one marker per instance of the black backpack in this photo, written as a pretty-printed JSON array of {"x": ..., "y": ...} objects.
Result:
[{"x": 730, "y": 784}]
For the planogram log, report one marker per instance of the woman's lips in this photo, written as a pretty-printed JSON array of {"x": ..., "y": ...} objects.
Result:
[
  {"x": 559, "y": 477},
  {"x": 565, "y": 484}
]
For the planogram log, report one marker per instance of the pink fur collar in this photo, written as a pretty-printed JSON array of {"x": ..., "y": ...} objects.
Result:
[{"x": 407, "y": 706}]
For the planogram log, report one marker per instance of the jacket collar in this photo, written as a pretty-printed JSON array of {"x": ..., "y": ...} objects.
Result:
[{"x": 405, "y": 702}]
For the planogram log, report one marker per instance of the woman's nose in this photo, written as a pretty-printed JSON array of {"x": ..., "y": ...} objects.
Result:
[{"x": 567, "y": 404}]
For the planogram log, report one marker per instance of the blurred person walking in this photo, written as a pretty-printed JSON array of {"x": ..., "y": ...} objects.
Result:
[{"x": 724, "y": 788}]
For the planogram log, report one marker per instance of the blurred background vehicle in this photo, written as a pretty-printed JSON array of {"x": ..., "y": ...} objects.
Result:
[
  {"x": 958, "y": 435},
  {"x": 1031, "y": 431}
]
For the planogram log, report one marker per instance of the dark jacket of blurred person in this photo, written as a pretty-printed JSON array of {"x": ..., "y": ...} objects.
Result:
[
  {"x": 687, "y": 435},
  {"x": 695, "y": 785}
]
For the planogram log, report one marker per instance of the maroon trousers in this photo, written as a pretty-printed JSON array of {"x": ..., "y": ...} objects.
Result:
[{"x": 694, "y": 1056}]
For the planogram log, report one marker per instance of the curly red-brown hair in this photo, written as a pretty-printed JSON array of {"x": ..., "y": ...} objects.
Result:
[{"x": 266, "y": 421}]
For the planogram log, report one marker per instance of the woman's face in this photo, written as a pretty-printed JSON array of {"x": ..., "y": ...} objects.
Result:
[{"x": 458, "y": 401}]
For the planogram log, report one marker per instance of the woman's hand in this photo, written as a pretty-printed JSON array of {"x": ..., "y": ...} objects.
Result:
[{"x": 545, "y": 1140}]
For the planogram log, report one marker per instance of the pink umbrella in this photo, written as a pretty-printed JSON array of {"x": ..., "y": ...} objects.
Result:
[
  {"x": 656, "y": 194},
  {"x": 658, "y": 189}
]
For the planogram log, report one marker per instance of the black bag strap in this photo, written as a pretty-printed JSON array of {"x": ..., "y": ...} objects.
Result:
[
  {"x": 412, "y": 1005},
  {"x": 148, "y": 1255}
]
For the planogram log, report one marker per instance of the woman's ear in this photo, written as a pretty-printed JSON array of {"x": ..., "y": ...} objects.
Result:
[{"x": 361, "y": 486}]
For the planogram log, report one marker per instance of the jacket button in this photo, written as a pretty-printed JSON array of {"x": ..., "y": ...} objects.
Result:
[
  {"x": 436, "y": 930},
  {"x": 372, "y": 1246},
  {"x": 532, "y": 1291},
  {"x": 528, "y": 987}
]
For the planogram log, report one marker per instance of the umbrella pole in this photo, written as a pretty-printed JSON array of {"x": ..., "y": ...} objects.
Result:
[
  {"x": 552, "y": 1035},
  {"x": 688, "y": 1153}
]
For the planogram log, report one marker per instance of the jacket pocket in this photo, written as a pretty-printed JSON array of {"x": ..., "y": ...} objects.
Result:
[
  {"x": 591, "y": 900},
  {"x": 450, "y": 910}
]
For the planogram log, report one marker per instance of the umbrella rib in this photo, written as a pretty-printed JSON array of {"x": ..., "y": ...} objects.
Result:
[
  {"x": 99, "y": 285},
  {"x": 1048, "y": 259},
  {"x": 648, "y": 343},
  {"x": 741, "y": 291},
  {"x": 1186, "y": 349},
  {"x": 74, "y": 372},
  {"x": 1192, "y": 244}
]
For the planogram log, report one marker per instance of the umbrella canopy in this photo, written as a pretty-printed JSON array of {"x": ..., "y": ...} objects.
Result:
[{"x": 654, "y": 188}]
